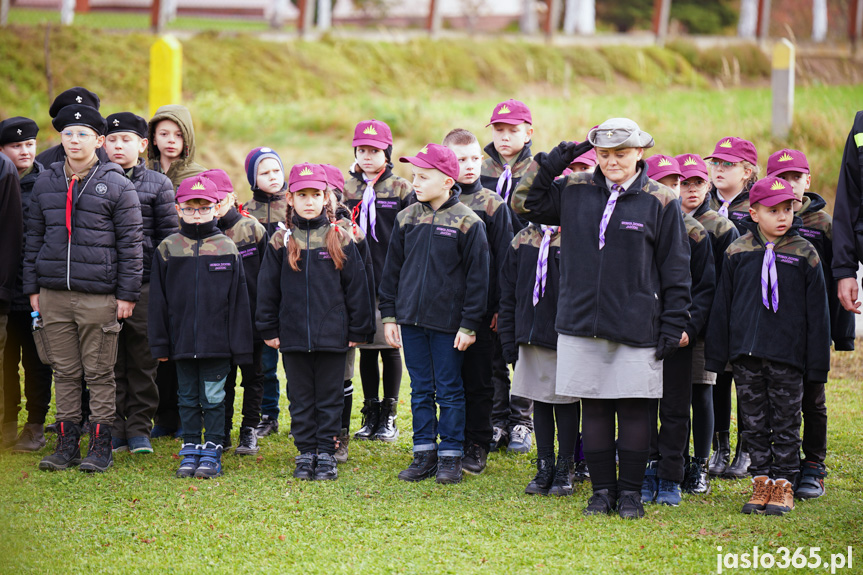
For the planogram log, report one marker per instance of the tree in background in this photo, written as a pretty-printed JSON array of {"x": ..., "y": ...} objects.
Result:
[{"x": 696, "y": 16}]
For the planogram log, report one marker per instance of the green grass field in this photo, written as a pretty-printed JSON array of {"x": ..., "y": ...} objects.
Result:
[{"x": 138, "y": 518}]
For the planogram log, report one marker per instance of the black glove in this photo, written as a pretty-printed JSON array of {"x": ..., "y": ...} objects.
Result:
[
  {"x": 666, "y": 347},
  {"x": 562, "y": 155},
  {"x": 510, "y": 356}
]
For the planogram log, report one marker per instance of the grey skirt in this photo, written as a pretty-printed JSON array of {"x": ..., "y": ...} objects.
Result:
[
  {"x": 535, "y": 375},
  {"x": 380, "y": 341},
  {"x": 595, "y": 368},
  {"x": 699, "y": 374}
]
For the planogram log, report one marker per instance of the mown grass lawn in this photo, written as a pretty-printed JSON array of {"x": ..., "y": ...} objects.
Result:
[{"x": 138, "y": 519}]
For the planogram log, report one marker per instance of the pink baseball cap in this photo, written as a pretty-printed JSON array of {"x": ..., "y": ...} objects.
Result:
[
  {"x": 734, "y": 150},
  {"x": 222, "y": 181},
  {"x": 335, "y": 177},
  {"x": 588, "y": 158},
  {"x": 305, "y": 176},
  {"x": 197, "y": 187},
  {"x": 787, "y": 160},
  {"x": 510, "y": 112},
  {"x": 692, "y": 166},
  {"x": 437, "y": 157},
  {"x": 770, "y": 191},
  {"x": 373, "y": 133},
  {"x": 659, "y": 166}
]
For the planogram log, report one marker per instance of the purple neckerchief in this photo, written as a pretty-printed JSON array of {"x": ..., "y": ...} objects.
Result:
[
  {"x": 769, "y": 279},
  {"x": 368, "y": 212},
  {"x": 723, "y": 209},
  {"x": 506, "y": 176},
  {"x": 542, "y": 262},
  {"x": 616, "y": 190}
]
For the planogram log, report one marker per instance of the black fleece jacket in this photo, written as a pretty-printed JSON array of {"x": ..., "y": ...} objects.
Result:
[
  {"x": 436, "y": 273},
  {"x": 158, "y": 216},
  {"x": 848, "y": 209},
  {"x": 720, "y": 229},
  {"x": 318, "y": 308},
  {"x": 703, "y": 274},
  {"x": 199, "y": 305},
  {"x": 797, "y": 334},
  {"x": 10, "y": 231},
  {"x": 250, "y": 237},
  {"x": 636, "y": 288},
  {"x": 493, "y": 167}
]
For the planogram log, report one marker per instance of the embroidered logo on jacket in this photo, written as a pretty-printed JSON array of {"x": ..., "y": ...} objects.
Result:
[
  {"x": 810, "y": 233},
  {"x": 101, "y": 189},
  {"x": 786, "y": 259},
  {"x": 388, "y": 204},
  {"x": 445, "y": 232},
  {"x": 632, "y": 226},
  {"x": 249, "y": 251},
  {"x": 221, "y": 266}
]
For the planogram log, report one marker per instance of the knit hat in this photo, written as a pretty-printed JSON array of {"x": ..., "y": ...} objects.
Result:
[
  {"x": 335, "y": 178},
  {"x": 254, "y": 159},
  {"x": 197, "y": 187},
  {"x": 659, "y": 166},
  {"x": 72, "y": 96},
  {"x": 692, "y": 166},
  {"x": 510, "y": 112},
  {"x": 787, "y": 160},
  {"x": 79, "y": 115},
  {"x": 222, "y": 181},
  {"x": 616, "y": 133},
  {"x": 372, "y": 133},
  {"x": 734, "y": 150},
  {"x": 17, "y": 129},
  {"x": 770, "y": 191},
  {"x": 305, "y": 176},
  {"x": 126, "y": 122},
  {"x": 437, "y": 157}
]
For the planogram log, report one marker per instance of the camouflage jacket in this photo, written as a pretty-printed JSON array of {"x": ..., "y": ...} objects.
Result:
[
  {"x": 797, "y": 333},
  {"x": 269, "y": 209},
  {"x": 250, "y": 238},
  {"x": 392, "y": 195},
  {"x": 493, "y": 167},
  {"x": 636, "y": 288},
  {"x": 738, "y": 209},
  {"x": 519, "y": 321},
  {"x": 199, "y": 304},
  {"x": 318, "y": 308},
  {"x": 494, "y": 213},
  {"x": 436, "y": 273},
  {"x": 703, "y": 274},
  {"x": 722, "y": 232}
]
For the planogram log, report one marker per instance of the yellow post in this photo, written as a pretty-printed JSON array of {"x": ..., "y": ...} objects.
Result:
[
  {"x": 166, "y": 73},
  {"x": 783, "y": 87}
]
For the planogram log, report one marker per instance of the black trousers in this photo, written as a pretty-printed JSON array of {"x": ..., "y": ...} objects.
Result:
[
  {"x": 317, "y": 397},
  {"x": 253, "y": 390},
  {"x": 669, "y": 443},
  {"x": 476, "y": 372},
  {"x": 168, "y": 413},
  {"x": 37, "y": 375},
  {"x": 814, "y": 422}
]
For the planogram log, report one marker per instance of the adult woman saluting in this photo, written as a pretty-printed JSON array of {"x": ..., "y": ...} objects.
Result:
[{"x": 624, "y": 296}]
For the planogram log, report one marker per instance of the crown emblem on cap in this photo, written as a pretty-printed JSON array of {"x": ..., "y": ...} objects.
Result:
[
  {"x": 116, "y": 122},
  {"x": 664, "y": 162},
  {"x": 786, "y": 157},
  {"x": 690, "y": 161},
  {"x": 777, "y": 185},
  {"x": 503, "y": 110},
  {"x": 199, "y": 185},
  {"x": 77, "y": 115},
  {"x": 306, "y": 171},
  {"x": 725, "y": 144},
  {"x": 19, "y": 131},
  {"x": 370, "y": 131},
  {"x": 425, "y": 150},
  {"x": 78, "y": 99}
]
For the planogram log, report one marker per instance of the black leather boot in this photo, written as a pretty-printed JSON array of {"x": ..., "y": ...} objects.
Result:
[
  {"x": 371, "y": 416},
  {"x": 721, "y": 453},
  {"x": 739, "y": 467},
  {"x": 541, "y": 483},
  {"x": 67, "y": 453},
  {"x": 387, "y": 430},
  {"x": 700, "y": 480}
]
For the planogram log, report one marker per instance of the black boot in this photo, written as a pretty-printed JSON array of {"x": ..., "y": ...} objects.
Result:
[
  {"x": 721, "y": 453},
  {"x": 387, "y": 430},
  {"x": 541, "y": 483},
  {"x": 699, "y": 481},
  {"x": 371, "y": 416},
  {"x": 67, "y": 453},
  {"x": 739, "y": 468},
  {"x": 100, "y": 456},
  {"x": 563, "y": 476},
  {"x": 422, "y": 467}
]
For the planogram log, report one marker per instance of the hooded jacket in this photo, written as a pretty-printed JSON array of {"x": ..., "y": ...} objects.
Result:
[
  {"x": 797, "y": 333},
  {"x": 10, "y": 231},
  {"x": 159, "y": 218},
  {"x": 493, "y": 167},
  {"x": 250, "y": 238},
  {"x": 848, "y": 209},
  {"x": 20, "y": 300},
  {"x": 104, "y": 253},
  {"x": 185, "y": 166},
  {"x": 636, "y": 288}
]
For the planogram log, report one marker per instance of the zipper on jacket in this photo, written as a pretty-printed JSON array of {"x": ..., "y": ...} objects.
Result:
[
  {"x": 197, "y": 266},
  {"x": 598, "y": 293},
  {"x": 69, "y": 242},
  {"x": 426, "y": 268},
  {"x": 308, "y": 305}
]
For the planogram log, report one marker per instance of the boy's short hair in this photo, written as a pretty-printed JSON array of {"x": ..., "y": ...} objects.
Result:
[{"x": 459, "y": 137}]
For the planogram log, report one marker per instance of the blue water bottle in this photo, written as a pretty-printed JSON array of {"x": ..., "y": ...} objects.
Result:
[{"x": 36, "y": 321}]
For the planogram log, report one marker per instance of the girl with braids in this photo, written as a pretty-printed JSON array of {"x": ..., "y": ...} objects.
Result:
[{"x": 314, "y": 303}]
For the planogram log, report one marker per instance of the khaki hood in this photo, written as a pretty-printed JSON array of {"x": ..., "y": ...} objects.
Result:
[{"x": 185, "y": 167}]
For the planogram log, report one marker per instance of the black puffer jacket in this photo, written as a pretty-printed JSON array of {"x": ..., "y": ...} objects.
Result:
[
  {"x": 156, "y": 196},
  {"x": 20, "y": 300},
  {"x": 104, "y": 253}
]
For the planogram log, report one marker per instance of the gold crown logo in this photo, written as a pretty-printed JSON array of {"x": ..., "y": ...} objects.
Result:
[
  {"x": 663, "y": 162},
  {"x": 503, "y": 110},
  {"x": 425, "y": 150},
  {"x": 690, "y": 161},
  {"x": 370, "y": 131},
  {"x": 777, "y": 185},
  {"x": 199, "y": 185},
  {"x": 785, "y": 157},
  {"x": 306, "y": 172},
  {"x": 725, "y": 144}
]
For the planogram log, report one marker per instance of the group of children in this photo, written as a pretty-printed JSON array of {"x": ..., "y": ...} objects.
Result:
[{"x": 145, "y": 287}]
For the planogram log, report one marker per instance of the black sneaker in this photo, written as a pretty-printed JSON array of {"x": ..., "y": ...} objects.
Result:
[
  {"x": 448, "y": 469},
  {"x": 422, "y": 467},
  {"x": 629, "y": 505},
  {"x": 100, "y": 456},
  {"x": 67, "y": 453},
  {"x": 305, "y": 466},
  {"x": 499, "y": 439},
  {"x": 811, "y": 480},
  {"x": 267, "y": 426},
  {"x": 248, "y": 442},
  {"x": 326, "y": 468},
  {"x": 602, "y": 502},
  {"x": 562, "y": 483},
  {"x": 475, "y": 459},
  {"x": 540, "y": 484}
]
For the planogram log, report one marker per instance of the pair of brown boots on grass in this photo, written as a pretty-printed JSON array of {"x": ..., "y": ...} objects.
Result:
[{"x": 770, "y": 497}]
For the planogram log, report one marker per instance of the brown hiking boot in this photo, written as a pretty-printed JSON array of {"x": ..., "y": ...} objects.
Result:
[
  {"x": 762, "y": 487},
  {"x": 781, "y": 499}
]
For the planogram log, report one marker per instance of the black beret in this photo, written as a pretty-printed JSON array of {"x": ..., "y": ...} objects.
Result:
[
  {"x": 76, "y": 95},
  {"x": 17, "y": 129},
  {"x": 79, "y": 115},
  {"x": 127, "y": 122}
]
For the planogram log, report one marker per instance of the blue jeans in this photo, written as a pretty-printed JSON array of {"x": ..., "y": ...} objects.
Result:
[
  {"x": 434, "y": 366},
  {"x": 201, "y": 392},
  {"x": 269, "y": 365}
]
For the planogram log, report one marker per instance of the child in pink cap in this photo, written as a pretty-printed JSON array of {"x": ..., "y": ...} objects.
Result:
[{"x": 375, "y": 195}]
